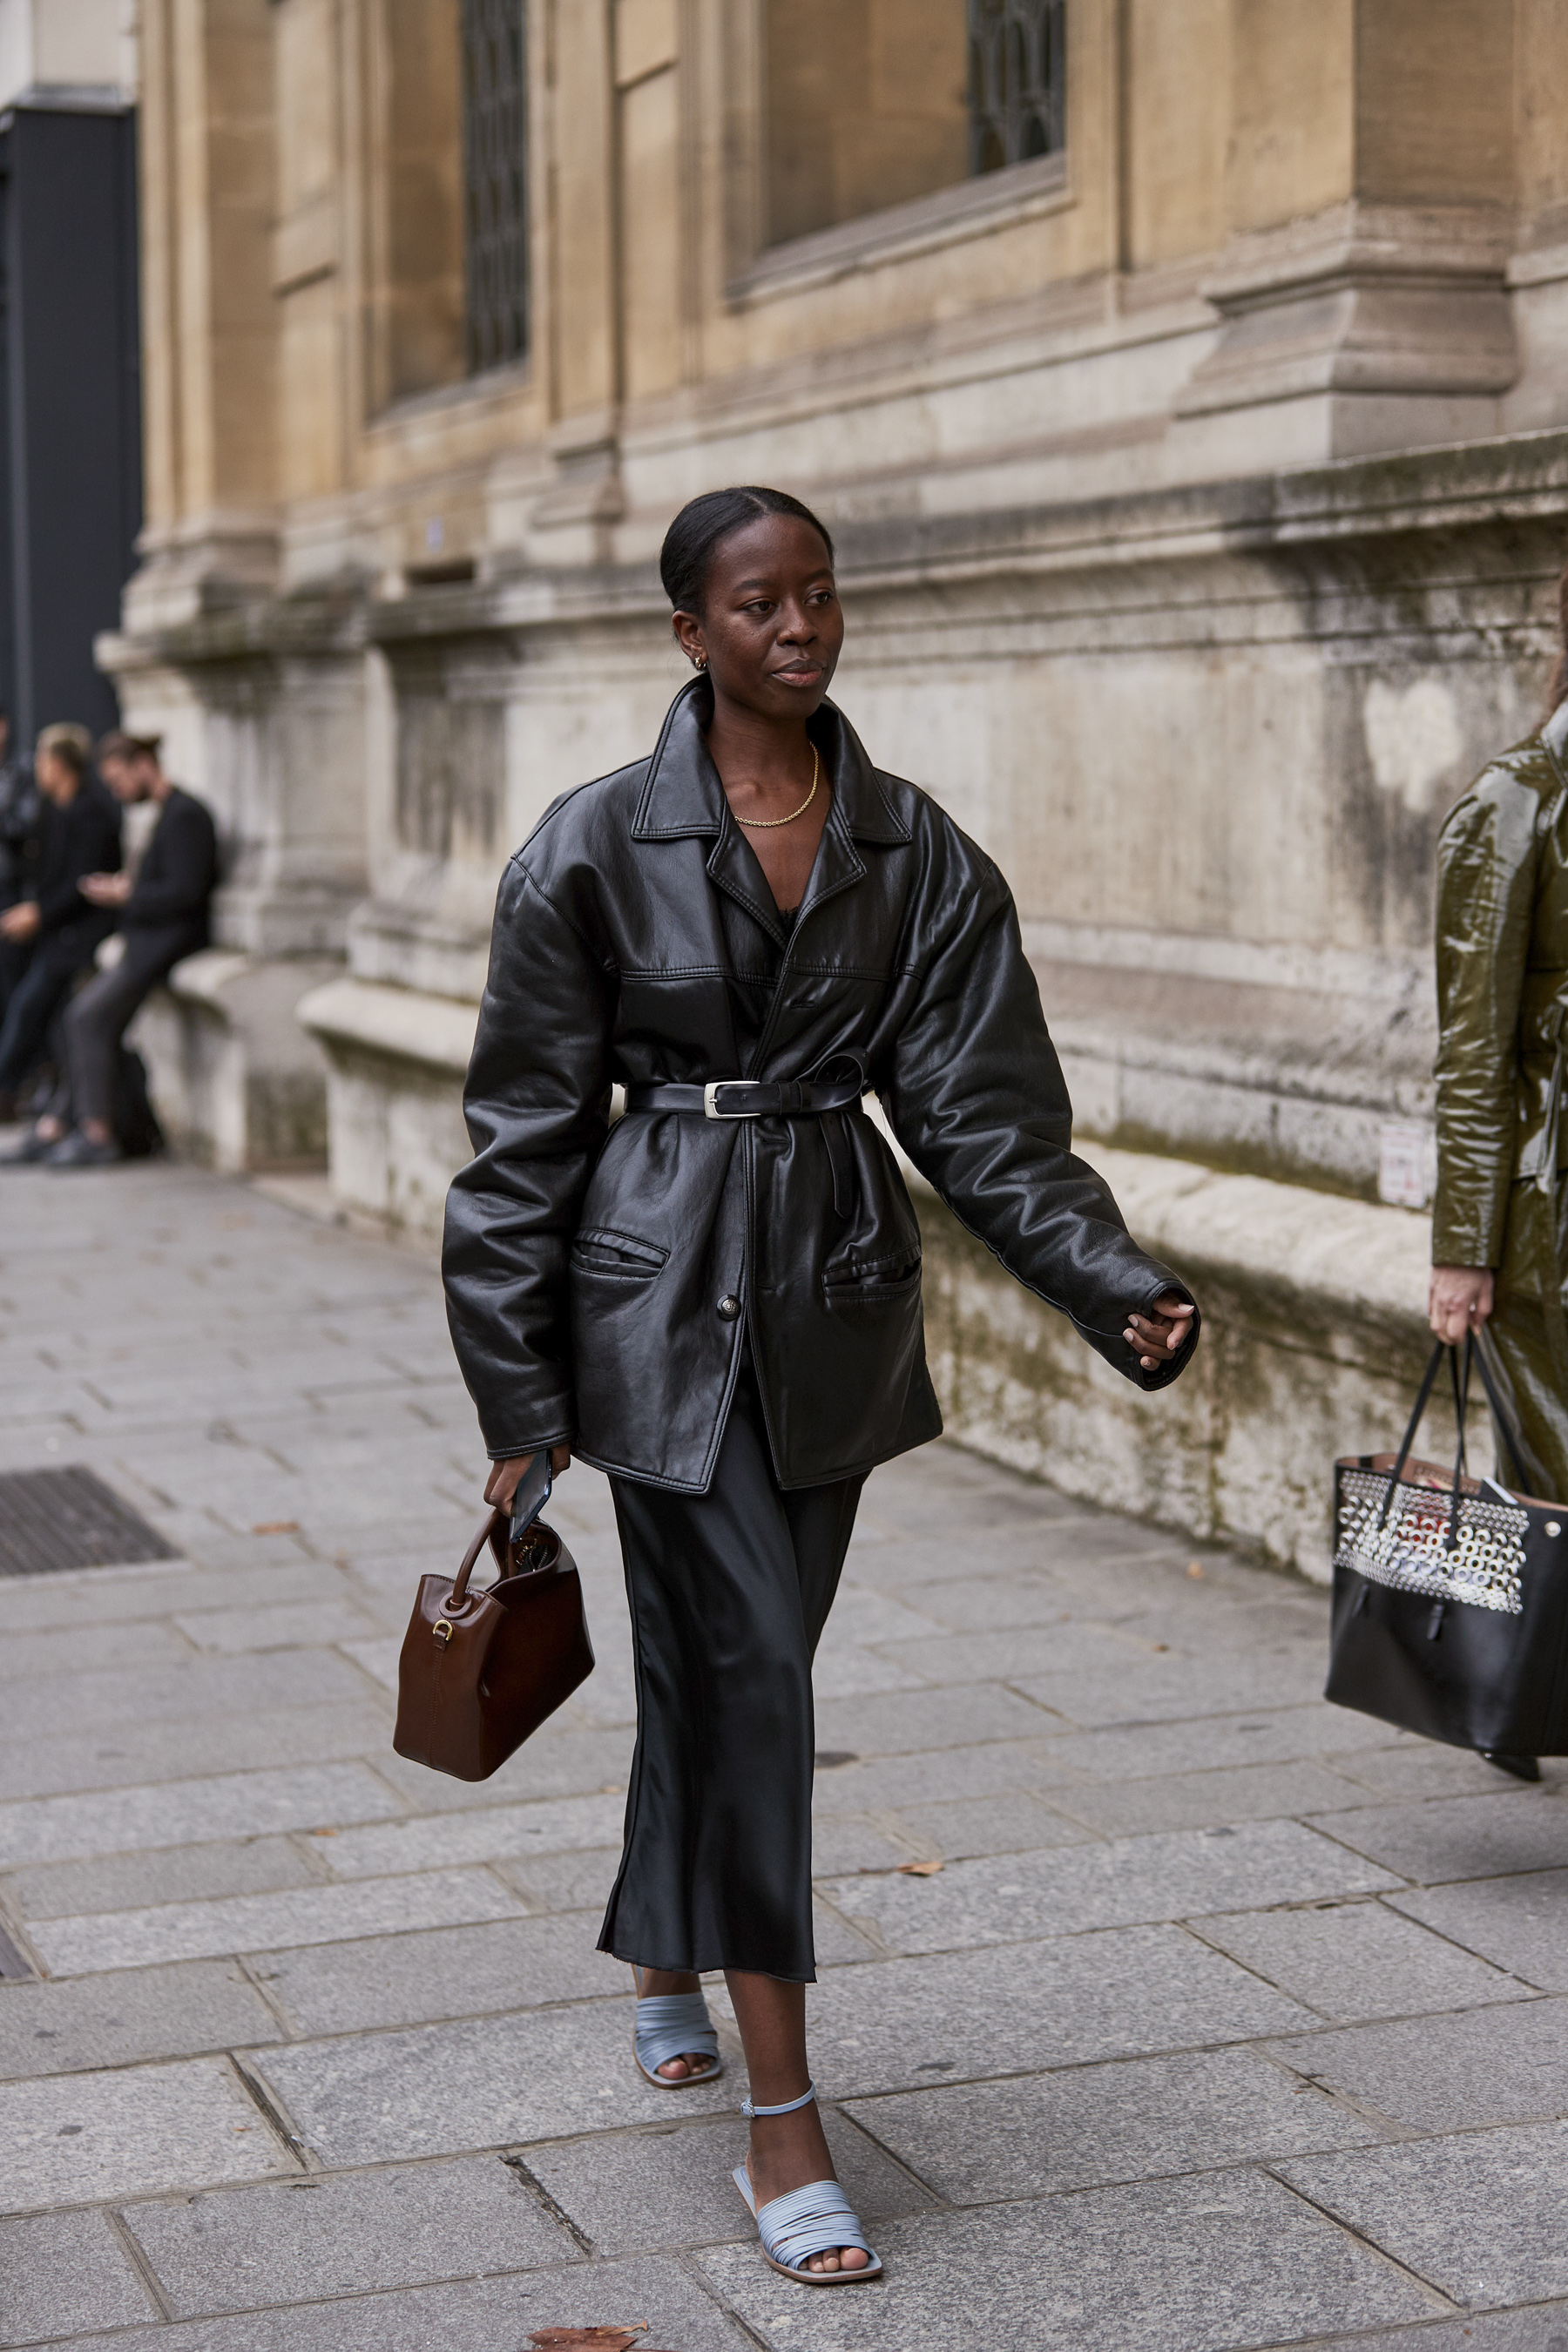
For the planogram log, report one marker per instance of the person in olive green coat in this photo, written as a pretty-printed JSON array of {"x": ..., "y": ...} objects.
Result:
[{"x": 1498, "y": 1237}]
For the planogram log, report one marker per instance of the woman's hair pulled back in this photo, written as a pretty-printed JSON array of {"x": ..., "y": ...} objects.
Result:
[{"x": 693, "y": 536}]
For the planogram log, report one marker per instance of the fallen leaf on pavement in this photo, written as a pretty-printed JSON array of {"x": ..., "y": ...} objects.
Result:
[
  {"x": 277, "y": 1528},
  {"x": 919, "y": 1869},
  {"x": 587, "y": 2339},
  {"x": 1194, "y": 1567}
]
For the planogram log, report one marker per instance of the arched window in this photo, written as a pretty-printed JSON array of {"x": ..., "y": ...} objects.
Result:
[{"x": 1017, "y": 81}]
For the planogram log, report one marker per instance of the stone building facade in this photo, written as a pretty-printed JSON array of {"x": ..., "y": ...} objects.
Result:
[{"x": 1185, "y": 383}]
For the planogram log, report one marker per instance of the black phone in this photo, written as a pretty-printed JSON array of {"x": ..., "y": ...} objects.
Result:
[{"x": 533, "y": 1494}]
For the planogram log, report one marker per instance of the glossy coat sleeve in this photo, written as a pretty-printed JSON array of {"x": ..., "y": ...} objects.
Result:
[
  {"x": 978, "y": 1101},
  {"x": 1486, "y": 862},
  {"x": 537, "y": 1105}
]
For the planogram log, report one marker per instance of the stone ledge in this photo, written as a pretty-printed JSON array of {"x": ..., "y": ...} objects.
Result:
[{"x": 235, "y": 1082}]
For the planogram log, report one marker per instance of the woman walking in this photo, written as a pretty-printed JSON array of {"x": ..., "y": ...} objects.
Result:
[
  {"x": 718, "y": 1300},
  {"x": 1498, "y": 1248}
]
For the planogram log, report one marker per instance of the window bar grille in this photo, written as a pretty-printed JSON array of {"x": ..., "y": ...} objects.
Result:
[
  {"x": 1017, "y": 81},
  {"x": 495, "y": 174}
]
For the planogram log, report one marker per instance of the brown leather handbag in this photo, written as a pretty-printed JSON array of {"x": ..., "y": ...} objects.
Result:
[{"x": 482, "y": 1670}]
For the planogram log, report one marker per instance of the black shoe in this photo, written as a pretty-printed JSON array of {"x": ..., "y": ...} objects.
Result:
[
  {"x": 1522, "y": 1768},
  {"x": 78, "y": 1151},
  {"x": 32, "y": 1149}
]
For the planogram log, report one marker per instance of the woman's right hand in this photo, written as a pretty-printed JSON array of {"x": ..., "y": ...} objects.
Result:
[
  {"x": 1459, "y": 1299},
  {"x": 506, "y": 1477}
]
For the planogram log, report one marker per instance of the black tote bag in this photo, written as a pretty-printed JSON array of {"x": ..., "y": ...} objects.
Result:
[{"x": 1450, "y": 1603}]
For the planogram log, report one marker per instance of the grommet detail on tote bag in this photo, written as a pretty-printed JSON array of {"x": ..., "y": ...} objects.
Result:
[
  {"x": 1553, "y": 1528},
  {"x": 729, "y": 1307}
]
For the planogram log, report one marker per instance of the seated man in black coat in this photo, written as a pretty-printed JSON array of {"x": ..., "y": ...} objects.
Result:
[
  {"x": 162, "y": 917},
  {"x": 78, "y": 834}
]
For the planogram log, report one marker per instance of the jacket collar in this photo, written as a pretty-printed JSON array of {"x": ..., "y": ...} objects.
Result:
[{"x": 683, "y": 794}]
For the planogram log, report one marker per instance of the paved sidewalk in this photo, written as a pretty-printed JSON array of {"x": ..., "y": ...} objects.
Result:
[{"x": 1229, "y": 2019}]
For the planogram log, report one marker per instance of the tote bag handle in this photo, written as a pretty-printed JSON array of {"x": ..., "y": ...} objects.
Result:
[{"x": 1461, "y": 1373}]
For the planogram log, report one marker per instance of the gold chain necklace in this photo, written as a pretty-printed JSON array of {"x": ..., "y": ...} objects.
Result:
[{"x": 771, "y": 823}]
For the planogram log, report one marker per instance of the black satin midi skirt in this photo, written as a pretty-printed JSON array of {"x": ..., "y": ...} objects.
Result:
[{"x": 729, "y": 1593}]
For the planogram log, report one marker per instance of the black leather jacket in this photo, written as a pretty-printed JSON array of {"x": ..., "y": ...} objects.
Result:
[{"x": 636, "y": 939}]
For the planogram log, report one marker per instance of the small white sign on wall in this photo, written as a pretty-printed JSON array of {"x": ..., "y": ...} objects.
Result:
[{"x": 1406, "y": 1164}]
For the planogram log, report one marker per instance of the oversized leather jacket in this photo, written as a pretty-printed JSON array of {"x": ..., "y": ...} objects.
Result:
[
  {"x": 601, "y": 1280},
  {"x": 1502, "y": 993}
]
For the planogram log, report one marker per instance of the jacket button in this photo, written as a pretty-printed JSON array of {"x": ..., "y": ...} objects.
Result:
[{"x": 729, "y": 1307}]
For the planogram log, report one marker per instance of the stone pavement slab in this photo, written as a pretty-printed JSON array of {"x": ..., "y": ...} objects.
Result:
[
  {"x": 1176, "y": 2266},
  {"x": 1521, "y": 1923},
  {"x": 417, "y": 1977},
  {"x": 672, "y": 2187},
  {"x": 1359, "y": 1960},
  {"x": 62, "y": 2274},
  {"x": 240, "y": 2249},
  {"x": 1226, "y": 2021},
  {"x": 80, "y": 2138},
  {"x": 1091, "y": 2126},
  {"x": 1179, "y": 1876},
  {"x": 238, "y": 1922},
  {"x": 1479, "y": 2215},
  {"x": 113, "y": 2021},
  {"x": 1447, "y": 2072}
]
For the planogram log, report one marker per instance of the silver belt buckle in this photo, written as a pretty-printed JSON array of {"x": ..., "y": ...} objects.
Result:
[{"x": 711, "y": 1100}]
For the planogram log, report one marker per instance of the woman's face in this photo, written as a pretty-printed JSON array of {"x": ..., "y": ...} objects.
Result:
[{"x": 770, "y": 625}]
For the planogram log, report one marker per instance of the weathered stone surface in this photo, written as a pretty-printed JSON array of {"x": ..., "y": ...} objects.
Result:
[
  {"x": 497, "y": 2082},
  {"x": 182, "y": 1811},
  {"x": 85, "y": 2137},
  {"x": 1182, "y": 1875},
  {"x": 1450, "y": 1838},
  {"x": 673, "y": 2187},
  {"x": 1088, "y": 2125},
  {"x": 128, "y": 1881},
  {"x": 184, "y": 1931},
  {"x": 1521, "y": 1923},
  {"x": 166, "y": 2012},
  {"x": 457, "y": 2316},
  {"x": 62, "y": 2274},
  {"x": 1225, "y": 2259},
  {"x": 406, "y": 1978},
  {"x": 1357, "y": 1960},
  {"x": 244, "y": 2250},
  {"x": 1447, "y": 2074},
  {"x": 1479, "y": 2215}
]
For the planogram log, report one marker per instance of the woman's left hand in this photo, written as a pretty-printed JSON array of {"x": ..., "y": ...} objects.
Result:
[{"x": 1162, "y": 1332}]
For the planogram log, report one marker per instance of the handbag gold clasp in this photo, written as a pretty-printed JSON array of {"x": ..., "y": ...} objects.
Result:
[{"x": 443, "y": 1629}]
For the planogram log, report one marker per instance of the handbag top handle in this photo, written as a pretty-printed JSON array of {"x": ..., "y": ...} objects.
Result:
[
  {"x": 459, "y": 1592},
  {"x": 1461, "y": 1380}
]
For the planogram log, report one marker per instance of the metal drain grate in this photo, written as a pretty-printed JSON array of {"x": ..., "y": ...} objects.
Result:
[{"x": 67, "y": 1519}]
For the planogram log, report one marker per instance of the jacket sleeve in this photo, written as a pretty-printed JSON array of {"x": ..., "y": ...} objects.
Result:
[
  {"x": 92, "y": 847},
  {"x": 184, "y": 873},
  {"x": 537, "y": 1104},
  {"x": 1486, "y": 861},
  {"x": 978, "y": 1101}
]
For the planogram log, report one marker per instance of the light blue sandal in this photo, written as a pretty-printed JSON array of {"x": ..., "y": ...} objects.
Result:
[
  {"x": 805, "y": 2221},
  {"x": 674, "y": 2025}
]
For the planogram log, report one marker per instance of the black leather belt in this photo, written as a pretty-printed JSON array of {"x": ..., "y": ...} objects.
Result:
[{"x": 753, "y": 1097}]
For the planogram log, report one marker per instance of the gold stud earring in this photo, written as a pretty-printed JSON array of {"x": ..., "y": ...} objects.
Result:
[{"x": 698, "y": 661}]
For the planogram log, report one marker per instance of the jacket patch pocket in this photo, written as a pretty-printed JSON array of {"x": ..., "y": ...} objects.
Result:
[
  {"x": 599, "y": 1249},
  {"x": 869, "y": 1284}
]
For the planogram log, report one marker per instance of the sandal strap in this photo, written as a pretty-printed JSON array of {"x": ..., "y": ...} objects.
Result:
[
  {"x": 788, "y": 2108},
  {"x": 807, "y": 2221},
  {"x": 673, "y": 2025}
]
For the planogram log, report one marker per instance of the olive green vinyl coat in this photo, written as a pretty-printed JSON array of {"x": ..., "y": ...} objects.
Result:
[{"x": 1502, "y": 1002}]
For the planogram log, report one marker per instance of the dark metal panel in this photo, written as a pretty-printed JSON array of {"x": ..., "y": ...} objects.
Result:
[
  {"x": 72, "y": 421},
  {"x": 70, "y": 1518}
]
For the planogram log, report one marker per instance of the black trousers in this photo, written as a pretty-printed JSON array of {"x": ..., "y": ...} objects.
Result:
[
  {"x": 98, "y": 1016},
  {"x": 36, "y": 999},
  {"x": 729, "y": 1592}
]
